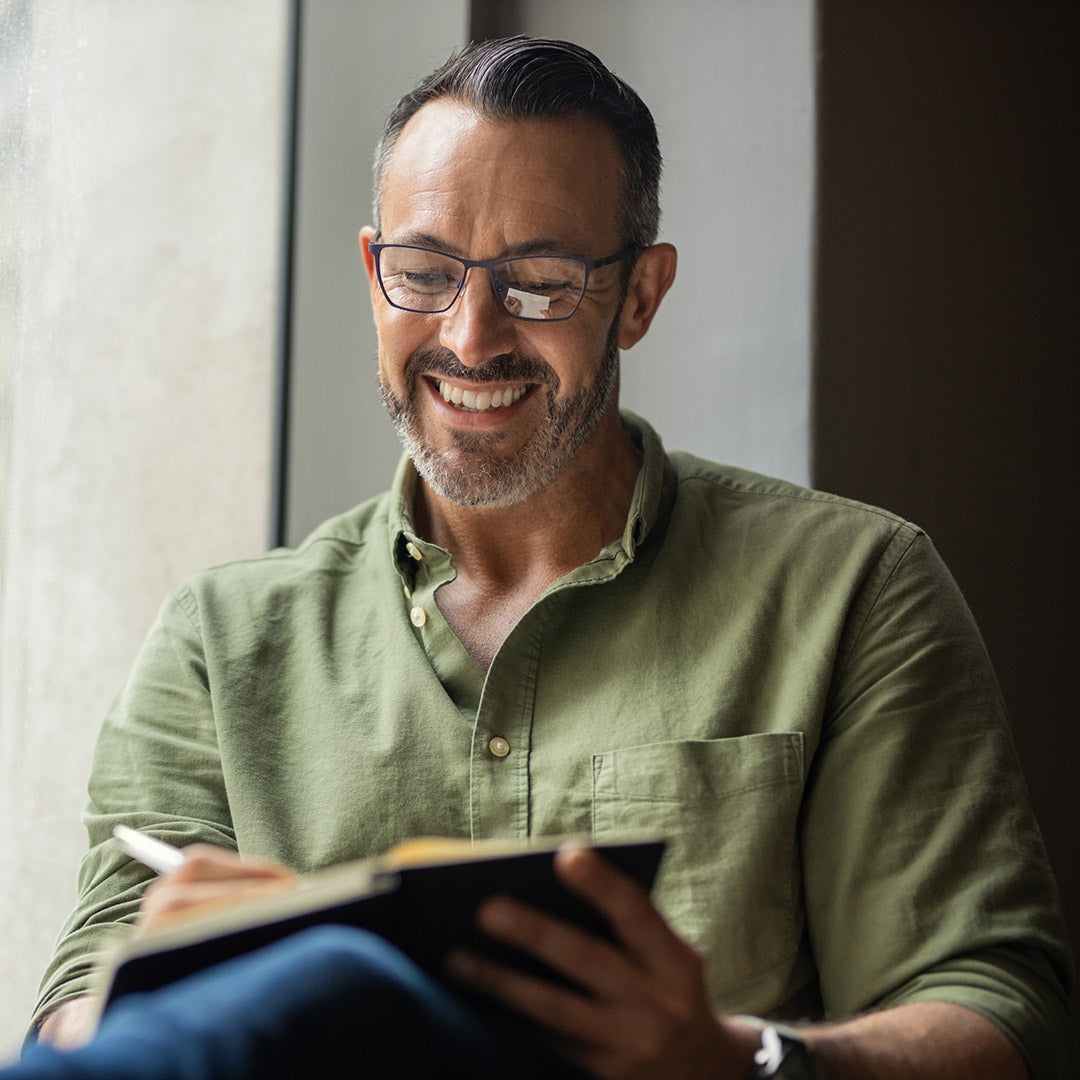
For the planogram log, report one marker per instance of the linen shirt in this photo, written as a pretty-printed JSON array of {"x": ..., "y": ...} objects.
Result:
[{"x": 785, "y": 684}]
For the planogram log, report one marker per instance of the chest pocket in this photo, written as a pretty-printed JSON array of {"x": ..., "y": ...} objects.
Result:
[{"x": 730, "y": 878}]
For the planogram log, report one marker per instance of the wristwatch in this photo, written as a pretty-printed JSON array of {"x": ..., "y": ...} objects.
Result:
[{"x": 782, "y": 1056}]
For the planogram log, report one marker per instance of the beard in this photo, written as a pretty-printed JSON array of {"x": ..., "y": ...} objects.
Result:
[{"x": 472, "y": 472}]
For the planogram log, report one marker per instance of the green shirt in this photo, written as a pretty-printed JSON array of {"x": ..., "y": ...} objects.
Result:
[{"x": 785, "y": 684}]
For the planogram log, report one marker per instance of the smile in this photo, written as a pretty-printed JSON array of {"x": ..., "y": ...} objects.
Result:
[{"x": 480, "y": 400}]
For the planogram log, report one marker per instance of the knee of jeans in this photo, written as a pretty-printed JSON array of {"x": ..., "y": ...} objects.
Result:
[{"x": 357, "y": 959}]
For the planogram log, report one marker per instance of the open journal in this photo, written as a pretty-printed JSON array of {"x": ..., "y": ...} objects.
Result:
[{"x": 421, "y": 896}]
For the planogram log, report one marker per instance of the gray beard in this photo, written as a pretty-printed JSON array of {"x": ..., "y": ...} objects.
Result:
[{"x": 471, "y": 472}]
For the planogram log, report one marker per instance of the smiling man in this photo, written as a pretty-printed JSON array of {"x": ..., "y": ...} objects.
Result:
[
  {"x": 523, "y": 491},
  {"x": 493, "y": 409},
  {"x": 550, "y": 625}
]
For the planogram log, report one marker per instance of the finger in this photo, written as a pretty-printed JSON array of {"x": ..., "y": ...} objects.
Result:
[
  {"x": 555, "y": 1008},
  {"x": 600, "y": 1037},
  {"x": 166, "y": 899},
  {"x": 205, "y": 862},
  {"x": 596, "y": 965},
  {"x": 629, "y": 909},
  {"x": 632, "y": 996}
]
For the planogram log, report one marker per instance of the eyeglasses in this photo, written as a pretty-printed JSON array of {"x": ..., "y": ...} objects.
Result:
[{"x": 537, "y": 288}]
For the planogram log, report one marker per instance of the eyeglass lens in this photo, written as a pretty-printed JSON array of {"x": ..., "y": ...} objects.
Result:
[{"x": 531, "y": 287}]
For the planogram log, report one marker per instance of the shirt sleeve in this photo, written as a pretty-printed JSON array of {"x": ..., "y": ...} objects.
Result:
[
  {"x": 925, "y": 872},
  {"x": 156, "y": 767}
]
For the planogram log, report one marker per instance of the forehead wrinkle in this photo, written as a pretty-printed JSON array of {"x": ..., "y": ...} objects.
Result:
[
  {"x": 538, "y": 246},
  {"x": 497, "y": 225},
  {"x": 485, "y": 187}
]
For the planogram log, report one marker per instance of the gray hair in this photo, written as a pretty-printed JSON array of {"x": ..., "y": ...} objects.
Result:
[{"x": 522, "y": 78}]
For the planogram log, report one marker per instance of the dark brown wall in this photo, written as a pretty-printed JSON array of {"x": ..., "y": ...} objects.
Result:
[{"x": 947, "y": 337}]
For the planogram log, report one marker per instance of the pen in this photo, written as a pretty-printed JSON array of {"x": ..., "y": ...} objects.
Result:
[{"x": 149, "y": 851}]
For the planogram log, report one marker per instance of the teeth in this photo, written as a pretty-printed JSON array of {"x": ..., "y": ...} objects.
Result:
[{"x": 480, "y": 401}]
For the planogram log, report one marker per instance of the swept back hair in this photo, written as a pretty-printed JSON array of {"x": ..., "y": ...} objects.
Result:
[{"x": 523, "y": 78}]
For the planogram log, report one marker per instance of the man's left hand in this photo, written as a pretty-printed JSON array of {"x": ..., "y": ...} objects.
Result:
[{"x": 644, "y": 1010}]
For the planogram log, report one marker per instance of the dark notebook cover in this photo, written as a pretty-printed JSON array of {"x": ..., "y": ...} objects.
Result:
[{"x": 425, "y": 910}]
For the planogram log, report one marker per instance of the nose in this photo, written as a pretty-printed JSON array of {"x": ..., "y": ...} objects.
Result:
[{"x": 476, "y": 328}]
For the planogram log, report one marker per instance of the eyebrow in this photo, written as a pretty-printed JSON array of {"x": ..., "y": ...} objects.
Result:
[{"x": 539, "y": 246}]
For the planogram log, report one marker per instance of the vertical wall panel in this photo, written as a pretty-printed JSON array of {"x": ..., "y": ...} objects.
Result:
[
  {"x": 725, "y": 369},
  {"x": 356, "y": 61}
]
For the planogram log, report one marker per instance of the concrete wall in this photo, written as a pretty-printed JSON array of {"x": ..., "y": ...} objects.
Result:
[{"x": 144, "y": 200}]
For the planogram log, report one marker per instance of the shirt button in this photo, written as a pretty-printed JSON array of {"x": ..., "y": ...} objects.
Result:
[
  {"x": 418, "y": 616},
  {"x": 499, "y": 746},
  {"x": 408, "y": 592},
  {"x": 414, "y": 551}
]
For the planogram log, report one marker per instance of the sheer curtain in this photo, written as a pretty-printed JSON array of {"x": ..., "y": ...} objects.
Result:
[{"x": 140, "y": 201}]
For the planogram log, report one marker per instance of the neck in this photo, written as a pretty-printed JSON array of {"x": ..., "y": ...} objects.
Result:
[{"x": 503, "y": 550}]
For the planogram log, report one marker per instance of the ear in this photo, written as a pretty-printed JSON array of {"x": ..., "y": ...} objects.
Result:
[
  {"x": 650, "y": 280},
  {"x": 367, "y": 234}
]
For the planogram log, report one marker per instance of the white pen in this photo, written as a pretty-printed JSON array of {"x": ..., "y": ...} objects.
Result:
[{"x": 149, "y": 851}]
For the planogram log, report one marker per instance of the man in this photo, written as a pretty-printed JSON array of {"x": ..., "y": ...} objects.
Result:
[{"x": 551, "y": 626}]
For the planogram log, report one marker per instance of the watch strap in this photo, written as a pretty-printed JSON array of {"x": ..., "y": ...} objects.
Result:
[{"x": 782, "y": 1055}]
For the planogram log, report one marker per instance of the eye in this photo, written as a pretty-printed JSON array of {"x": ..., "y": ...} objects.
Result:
[
  {"x": 543, "y": 288},
  {"x": 541, "y": 275},
  {"x": 410, "y": 273},
  {"x": 427, "y": 281}
]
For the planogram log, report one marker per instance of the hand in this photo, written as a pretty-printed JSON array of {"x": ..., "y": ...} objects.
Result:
[
  {"x": 209, "y": 876},
  {"x": 69, "y": 1025},
  {"x": 644, "y": 1011}
]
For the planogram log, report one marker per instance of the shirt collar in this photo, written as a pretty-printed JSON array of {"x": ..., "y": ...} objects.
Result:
[
  {"x": 404, "y": 541},
  {"x": 645, "y": 504}
]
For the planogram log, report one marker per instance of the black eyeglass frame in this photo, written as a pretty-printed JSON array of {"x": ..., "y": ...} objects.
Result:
[{"x": 489, "y": 265}]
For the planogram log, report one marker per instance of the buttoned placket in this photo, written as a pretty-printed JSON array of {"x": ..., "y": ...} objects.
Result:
[
  {"x": 498, "y": 712},
  {"x": 498, "y": 706},
  {"x": 424, "y": 568}
]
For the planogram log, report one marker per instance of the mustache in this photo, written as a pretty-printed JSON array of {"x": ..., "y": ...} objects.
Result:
[{"x": 505, "y": 368}]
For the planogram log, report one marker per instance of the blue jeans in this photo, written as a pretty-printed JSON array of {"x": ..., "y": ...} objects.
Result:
[{"x": 331, "y": 1001}]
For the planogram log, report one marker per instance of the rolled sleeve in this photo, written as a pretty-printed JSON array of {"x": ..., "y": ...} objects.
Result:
[
  {"x": 925, "y": 872},
  {"x": 156, "y": 767}
]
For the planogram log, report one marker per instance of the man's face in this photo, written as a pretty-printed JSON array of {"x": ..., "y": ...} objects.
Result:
[{"x": 480, "y": 189}]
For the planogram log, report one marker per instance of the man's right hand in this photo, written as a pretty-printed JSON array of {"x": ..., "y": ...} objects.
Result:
[{"x": 209, "y": 877}]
